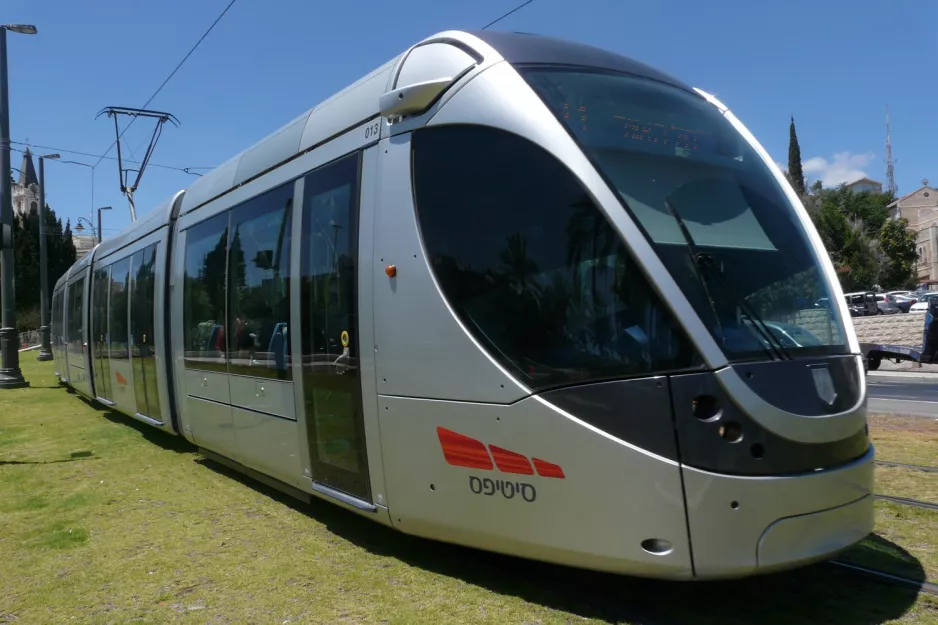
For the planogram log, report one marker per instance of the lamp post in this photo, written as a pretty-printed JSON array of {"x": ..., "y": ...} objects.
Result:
[
  {"x": 45, "y": 349},
  {"x": 10, "y": 374},
  {"x": 81, "y": 228},
  {"x": 100, "y": 231}
]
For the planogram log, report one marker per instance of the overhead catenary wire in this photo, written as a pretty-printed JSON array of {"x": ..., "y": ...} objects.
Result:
[
  {"x": 500, "y": 18},
  {"x": 173, "y": 73},
  {"x": 186, "y": 170}
]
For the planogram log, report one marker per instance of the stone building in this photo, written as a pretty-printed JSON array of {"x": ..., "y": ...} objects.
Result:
[
  {"x": 26, "y": 187},
  {"x": 920, "y": 208},
  {"x": 26, "y": 199}
]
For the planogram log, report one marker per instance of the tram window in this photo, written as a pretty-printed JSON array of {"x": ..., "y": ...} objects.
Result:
[
  {"x": 143, "y": 299},
  {"x": 55, "y": 324},
  {"x": 117, "y": 310},
  {"x": 204, "y": 294},
  {"x": 259, "y": 285},
  {"x": 530, "y": 264},
  {"x": 99, "y": 331},
  {"x": 669, "y": 154},
  {"x": 75, "y": 299},
  {"x": 328, "y": 327}
]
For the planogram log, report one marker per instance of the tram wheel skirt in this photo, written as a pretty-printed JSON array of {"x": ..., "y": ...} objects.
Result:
[{"x": 800, "y": 540}]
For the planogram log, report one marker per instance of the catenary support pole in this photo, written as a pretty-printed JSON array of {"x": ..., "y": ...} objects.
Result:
[
  {"x": 10, "y": 374},
  {"x": 45, "y": 349}
]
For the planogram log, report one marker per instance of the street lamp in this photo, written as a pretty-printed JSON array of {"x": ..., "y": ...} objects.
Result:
[
  {"x": 81, "y": 228},
  {"x": 10, "y": 374},
  {"x": 45, "y": 349},
  {"x": 100, "y": 231}
]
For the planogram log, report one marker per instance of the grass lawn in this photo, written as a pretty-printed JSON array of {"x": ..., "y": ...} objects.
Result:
[
  {"x": 911, "y": 483},
  {"x": 905, "y": 542},
  {"x": 107, "y": 520},
  {"x": 911, "y": 440}
]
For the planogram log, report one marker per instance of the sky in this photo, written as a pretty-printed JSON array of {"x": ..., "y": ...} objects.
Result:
[{"x": 833, "y": 64}]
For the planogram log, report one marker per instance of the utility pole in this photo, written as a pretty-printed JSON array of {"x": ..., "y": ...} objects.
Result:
[
  {"x": 45, "y": 349},
  {"x": 890, "y": 164},
  {"x": 10, "y": 374}
]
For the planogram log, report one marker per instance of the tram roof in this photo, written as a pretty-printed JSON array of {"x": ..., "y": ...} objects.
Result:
[{"x": 359, "y": 102}]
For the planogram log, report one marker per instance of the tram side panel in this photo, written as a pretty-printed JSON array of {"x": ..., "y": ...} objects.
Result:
[{"x": 468, "y": 459}]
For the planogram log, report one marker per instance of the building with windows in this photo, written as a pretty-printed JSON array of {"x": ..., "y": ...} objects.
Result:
[
  {"x": 920, "y": 208},
  {"x": 83, "y": 243},
  {"x": 866, "y": 185}
]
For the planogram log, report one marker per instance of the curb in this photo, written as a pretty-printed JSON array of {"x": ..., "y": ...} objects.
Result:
[{"x": 920, "y": 375}]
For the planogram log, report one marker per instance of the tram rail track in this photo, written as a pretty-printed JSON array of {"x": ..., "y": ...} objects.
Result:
[
  {"x": 908, "y": 501},
  {"x": 889, "y": 578},
  {"x": 901, "y": 465}
]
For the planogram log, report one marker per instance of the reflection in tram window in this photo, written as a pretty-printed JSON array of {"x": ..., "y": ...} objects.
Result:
[
  {"x": 671, "y": 155},
  {"x": 117, "y": 309},
  {"x": 75, "y": 339},
  {"x": 99, "y": 335},
  {"x": 531, "y": 265},
  {"x": 143, "y": 291},
  {"x": 204, "y": 295},
  {"x": 331, "y": 382},
  {"x": 259, "y": 286}
]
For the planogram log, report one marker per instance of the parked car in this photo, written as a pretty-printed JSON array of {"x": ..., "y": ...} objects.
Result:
[
  {"x": 864, "y": 300},
  {"x": 887, "y": 304},
  {"x": 905, "y": 302},
  {"x": 921, "y": 306},
  {"x": 853, "y": 309}
]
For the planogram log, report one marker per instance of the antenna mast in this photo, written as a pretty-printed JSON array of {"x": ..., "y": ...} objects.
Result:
[
  {"x": 890, "y": 171},
  {"x": 124, "y": 172}
]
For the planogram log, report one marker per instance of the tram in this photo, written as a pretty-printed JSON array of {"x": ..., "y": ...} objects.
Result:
[{"x": 509, "y": 292}]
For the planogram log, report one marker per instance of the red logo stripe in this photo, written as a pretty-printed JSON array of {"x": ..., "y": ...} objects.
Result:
[
  {"x": 510, "y": 462},
  {"x": 462, "y": 451},
  {"x": 548, "y": 469}
]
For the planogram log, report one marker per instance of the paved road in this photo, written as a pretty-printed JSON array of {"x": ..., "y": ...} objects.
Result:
[{"x": 903, "y": 395}]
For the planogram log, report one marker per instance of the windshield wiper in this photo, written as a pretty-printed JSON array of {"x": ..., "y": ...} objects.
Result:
[{"x": 702, "y": 263}]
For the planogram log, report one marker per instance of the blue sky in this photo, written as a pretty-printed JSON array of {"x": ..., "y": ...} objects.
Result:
[{"x": 834, "y": 64}]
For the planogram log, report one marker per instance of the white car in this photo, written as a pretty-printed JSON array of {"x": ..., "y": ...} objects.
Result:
[{"x": 921, "y": 306}]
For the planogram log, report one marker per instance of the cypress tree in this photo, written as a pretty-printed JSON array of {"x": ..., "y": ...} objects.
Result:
[{"x": 794, "y": 159}]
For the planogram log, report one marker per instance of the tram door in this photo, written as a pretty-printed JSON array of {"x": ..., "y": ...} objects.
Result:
[
  {"x": 329, "y": 324},
  {"x": 99, "y": 339}
]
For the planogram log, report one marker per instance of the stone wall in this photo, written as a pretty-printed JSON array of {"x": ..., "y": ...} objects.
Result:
[{"x": 901, "y": 329}]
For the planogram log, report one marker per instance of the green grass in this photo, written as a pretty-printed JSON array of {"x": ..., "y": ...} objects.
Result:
[
  {"x": 910, "y": 440},
  {"x": 107, "y": 520},
  {"x": 911, "y": 483},
  {"x": 905, "y": 542}
]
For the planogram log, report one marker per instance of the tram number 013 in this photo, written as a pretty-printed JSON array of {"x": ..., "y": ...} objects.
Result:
[
  {"x": 372, "y": 130},
  {"x": 508, "y": 490}
]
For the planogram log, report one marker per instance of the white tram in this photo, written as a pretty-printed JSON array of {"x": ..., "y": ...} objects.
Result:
[{"x": 509, "y": 292}]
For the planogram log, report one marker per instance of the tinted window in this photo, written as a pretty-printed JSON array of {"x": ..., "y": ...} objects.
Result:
[
  {"x": 531, "y": 266},
  {"x": 74, "y": 336},
  {"x": 674, "y": 158},
  {"x": 99, "y": 339},
  {"x": 204, "y": 294},
  {"x": 259, "y": 287},
  {"x": 117, "y": 309},
  {"x": 143, "y": 300},
  {"x": 329, "y": 327}
]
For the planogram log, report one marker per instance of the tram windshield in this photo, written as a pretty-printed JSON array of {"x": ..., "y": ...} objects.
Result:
[{"x": 712, "y": 209}]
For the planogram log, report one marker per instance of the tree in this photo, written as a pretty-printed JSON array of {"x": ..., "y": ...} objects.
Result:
[
  {"x": 794, "y": 159},
  {"x": 898, "y": 244},
  {"x": 61, "y": 254}
]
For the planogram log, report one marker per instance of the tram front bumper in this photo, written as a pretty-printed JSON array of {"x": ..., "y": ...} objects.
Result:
[
  {"x": 743, "y": 526},
  {"x": 808, "y": 538}
]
